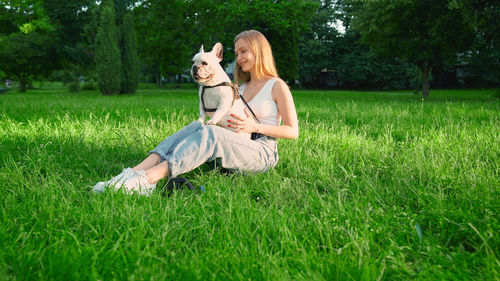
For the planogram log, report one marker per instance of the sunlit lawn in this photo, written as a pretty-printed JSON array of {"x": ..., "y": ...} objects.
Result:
[{"x": 379, "y": 186}]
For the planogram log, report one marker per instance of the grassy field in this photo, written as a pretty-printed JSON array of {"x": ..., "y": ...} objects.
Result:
[{"x": 379, "y": 186}]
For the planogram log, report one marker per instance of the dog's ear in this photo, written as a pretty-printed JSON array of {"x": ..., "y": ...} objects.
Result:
[
  {"x": 217, "y": 50},
  {"x": 201, "y": 50}
]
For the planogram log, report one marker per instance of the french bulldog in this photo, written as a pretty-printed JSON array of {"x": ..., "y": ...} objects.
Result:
[{"x": 220, "y": 101}]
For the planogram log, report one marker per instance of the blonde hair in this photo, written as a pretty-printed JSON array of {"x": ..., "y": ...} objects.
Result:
[{"x": 264, "y": 60}]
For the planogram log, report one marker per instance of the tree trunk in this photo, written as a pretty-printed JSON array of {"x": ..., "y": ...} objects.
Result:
[
  {"x": 22, "y": 85},
  {"x": 425, "y": 85},
  {"x": 159, "y": 83}
]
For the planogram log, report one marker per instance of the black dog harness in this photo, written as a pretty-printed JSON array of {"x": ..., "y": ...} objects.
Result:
[
  {"x": 236, "y": 95},
  {"x": 225, "y": 84}
]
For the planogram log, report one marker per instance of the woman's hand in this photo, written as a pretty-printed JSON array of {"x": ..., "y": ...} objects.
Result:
[{"x": 244, "y": 124}]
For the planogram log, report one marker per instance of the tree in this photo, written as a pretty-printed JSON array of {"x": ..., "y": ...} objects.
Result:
[
  {"x": 27, "y": 45},
  {"x": 319, "y": 45},
  {"x": 424, "y": 32},
  {"x": 127, "y": 43},
  {"x": 366, "y": 69},
  {"x": 27, "y": 56},
  {"x": 165, "y": 36},
  {"x": 69, "y": 18},
  {"x": 9, "y": 20},
  {"x": 484, "y": 16},
  {"x": 107, "y": 57},
  {"x": 339, "y": 56},
  {"x": 281, "y": 23},
  {"x": 130, "y": 61},
  {"x": 172, "y": 31},
  {"x": 59, "y": 23}
]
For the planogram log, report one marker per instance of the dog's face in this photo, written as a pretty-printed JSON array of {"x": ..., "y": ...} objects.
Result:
[{"x": 206, "y": 65}]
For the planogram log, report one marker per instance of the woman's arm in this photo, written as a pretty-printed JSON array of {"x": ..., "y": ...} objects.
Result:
[{"x": 286, "y": 109}]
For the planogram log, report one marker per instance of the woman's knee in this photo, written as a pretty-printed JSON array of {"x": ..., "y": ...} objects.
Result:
[
  {"x": 156, "y": 157},
  {"x": 203, "y": 139},
  {"x": 208, "y": 130}
]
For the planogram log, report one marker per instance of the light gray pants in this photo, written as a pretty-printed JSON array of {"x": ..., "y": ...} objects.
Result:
[{"x": 197, "y": 143}]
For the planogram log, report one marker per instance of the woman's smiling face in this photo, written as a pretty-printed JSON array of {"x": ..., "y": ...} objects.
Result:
[{"x": 244, "y": 55}]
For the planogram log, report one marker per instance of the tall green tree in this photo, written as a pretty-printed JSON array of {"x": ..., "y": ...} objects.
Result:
[
  {"x": 107, "y": 55},
  {"x": 127, "y": 43},
  {"x": 27, "y": 46},
  {"x": 424, "y": 32},
  {"x": 130, "y": 61}
]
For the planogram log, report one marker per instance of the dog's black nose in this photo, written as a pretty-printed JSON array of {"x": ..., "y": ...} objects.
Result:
[{"x": 195, "y": 69}]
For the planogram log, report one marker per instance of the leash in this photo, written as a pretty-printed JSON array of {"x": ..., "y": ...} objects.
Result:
[
  {"x": 236, "y": 95},
  {"x": 254, "y": 136},
  {"x": 248, "y": 106},
  {"x": 178, "y": 183}
]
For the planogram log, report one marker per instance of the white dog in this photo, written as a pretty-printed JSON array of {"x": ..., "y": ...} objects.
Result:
[{"x": 218, "y": 96}]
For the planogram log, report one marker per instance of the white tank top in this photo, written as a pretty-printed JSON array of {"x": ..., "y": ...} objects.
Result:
[{"x": 263, "y": 105}]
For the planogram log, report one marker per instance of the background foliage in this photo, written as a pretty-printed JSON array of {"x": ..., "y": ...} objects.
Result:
[{"x": 328, "y": 43}]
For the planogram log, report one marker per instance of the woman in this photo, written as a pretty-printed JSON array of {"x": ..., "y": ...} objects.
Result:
[{"x": 266, "y": 94}]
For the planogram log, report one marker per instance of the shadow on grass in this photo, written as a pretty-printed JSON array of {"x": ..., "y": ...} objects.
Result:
[{"x": 79, "y": 162}]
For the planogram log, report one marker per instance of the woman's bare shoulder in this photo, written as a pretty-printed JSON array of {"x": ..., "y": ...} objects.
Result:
[
  {"x": 279, "y": 81},
  {"x": 280, "y": 88}
]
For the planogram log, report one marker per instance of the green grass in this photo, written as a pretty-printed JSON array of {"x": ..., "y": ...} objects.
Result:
[{"x": 346, "y": 201}]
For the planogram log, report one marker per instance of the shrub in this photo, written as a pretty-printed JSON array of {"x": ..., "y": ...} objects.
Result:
[
  {"x": 74, "y": 86},
  {"x": 89, "y": 86}
]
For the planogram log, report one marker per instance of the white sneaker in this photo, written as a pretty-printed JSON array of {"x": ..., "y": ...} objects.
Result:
[
  {"x": 115, "y": 181},
  {"x": 138, "y": 184},
  {"x": 99, "y": 187}
]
